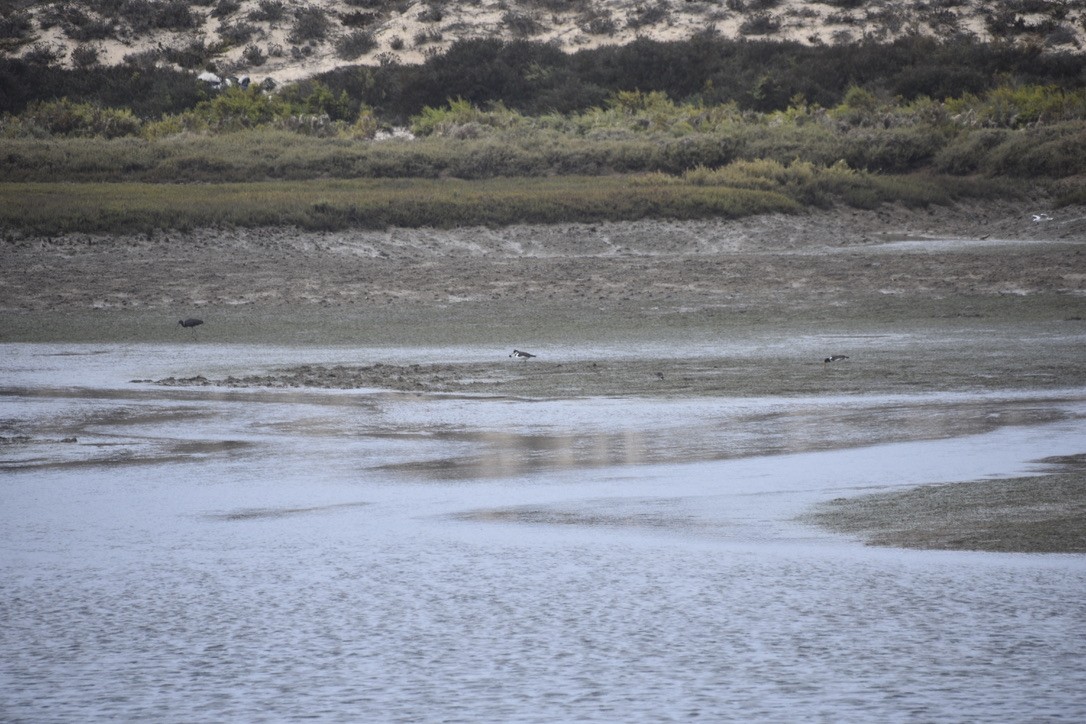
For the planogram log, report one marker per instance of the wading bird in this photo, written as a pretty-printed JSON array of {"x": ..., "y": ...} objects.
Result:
[
  {"x": 191, "y": 323},
  {"x": 835, "y": 358},
  {"x": 521, "y": 355}
]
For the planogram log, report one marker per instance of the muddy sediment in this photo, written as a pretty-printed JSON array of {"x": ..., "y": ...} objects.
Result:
[
  {"x": 873, "y": 371},
  {"x": 1044, "y": 513}
]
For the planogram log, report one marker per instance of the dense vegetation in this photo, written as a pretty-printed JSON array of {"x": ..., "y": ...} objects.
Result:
[
  {"x": 536, "y": 78},
  {"x": 699, "y": 128}
]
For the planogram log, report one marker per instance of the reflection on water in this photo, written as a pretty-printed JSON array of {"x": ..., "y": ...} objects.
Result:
[
  {"x": 274, "y": 557},
  {"x": 259, "y": 513},
  {"x": 692, "y": 430},
  {"x": 650, "y": 514}
]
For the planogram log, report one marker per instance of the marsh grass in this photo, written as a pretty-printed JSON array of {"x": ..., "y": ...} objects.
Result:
[
  {"x": 47, "y": 208},
  {"x": 59, "y": 208},
  {"x": 264, "y": 154}
]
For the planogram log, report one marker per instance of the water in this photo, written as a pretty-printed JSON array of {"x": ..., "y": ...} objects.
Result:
[{"x": 202, "y": 554}]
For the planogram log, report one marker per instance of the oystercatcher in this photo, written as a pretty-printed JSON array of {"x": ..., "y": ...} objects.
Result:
[
  {"x": 835, "y": 358},
  {"x": 521, "y": 355}
]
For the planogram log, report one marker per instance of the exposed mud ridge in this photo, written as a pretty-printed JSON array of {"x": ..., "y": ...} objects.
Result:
[
  {"x": 791, "y": 261},
  {"x": 1044, "y": 513},
  {"x": 876, "y": 371}
]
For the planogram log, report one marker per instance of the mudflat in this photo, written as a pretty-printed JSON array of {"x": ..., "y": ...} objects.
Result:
[
  {"x": 1040, "y": 513},
  {"x": 976, "y": 296}
]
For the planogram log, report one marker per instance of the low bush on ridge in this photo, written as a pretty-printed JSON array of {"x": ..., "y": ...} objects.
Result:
[{"x": 307, "y": 131}]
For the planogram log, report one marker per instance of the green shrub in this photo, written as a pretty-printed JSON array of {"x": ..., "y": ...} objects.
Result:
[
  {"x": 67, "y": 118},
  {"x": 1055, "y": 151},
  {"x": 236, "y": 108},
  {"x": 894, "y": 150},
  {"x": 459, "y": 114},
  {"x": 314, "y": 98},
  {"x": 1017, "y": 106},
  {"x": 968, "y": 152}
]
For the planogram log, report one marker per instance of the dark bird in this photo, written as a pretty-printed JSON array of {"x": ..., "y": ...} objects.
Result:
[
  {"x": 521, "y": 355},
  {"x": 835, "y": 358},
  {"x": 191, "y": 323}
]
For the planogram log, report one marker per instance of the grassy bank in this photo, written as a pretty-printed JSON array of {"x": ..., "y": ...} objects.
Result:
[
  {"x": 736, "y": 191},
  {"x": 326, "y": 205}
]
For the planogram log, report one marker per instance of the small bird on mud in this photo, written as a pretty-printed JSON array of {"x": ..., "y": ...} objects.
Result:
[
  {"x": 835, "y": 358},
  {"x": 521, "y": 355},
  {"x": 191, "y": 323}
]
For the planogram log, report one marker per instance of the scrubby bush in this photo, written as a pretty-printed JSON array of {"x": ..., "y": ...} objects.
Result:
[
  {"x": 760, "y": 24},
  {"x": 253, "y": 55},
  {"x": 967, "y": 153},
  {"x": 85, "y": 56},
  {"x": 354, "y": 44},
  {"x": 41, "y": 54},
  {"x": 225, "y": 8},
  {"x": 236, "y": 108},
  {"x": 237, "y": 33},
  {"x": 597, "y": 21},
  {"x": 1055, "y": 151},
  {"x": 268, "y": 11},
  {"x": 174, "y": 15},
  {"x": 312, "y": 97},
  {"x": 311, "y": 24},
  {"x": 646, "y": 15},
  {"x": 65, "y": 118},
  {"x": 458, "y": 114},
  {"x": 193, "y": 55},
  {"x": 521, "y": 24},
  {"x": 1017, "y": 106},
  {"x": 358, "y": 19},
  {"x": 15, "y": 25}
]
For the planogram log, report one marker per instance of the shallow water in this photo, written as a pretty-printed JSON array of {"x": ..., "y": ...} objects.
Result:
[{"x": 206, "y": 554}]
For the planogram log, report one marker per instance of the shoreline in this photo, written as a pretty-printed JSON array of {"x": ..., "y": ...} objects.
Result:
[{"x": 1043, "y": 513}]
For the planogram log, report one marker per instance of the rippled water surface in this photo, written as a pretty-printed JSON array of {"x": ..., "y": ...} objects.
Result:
[{"x": 196, "y": 554}]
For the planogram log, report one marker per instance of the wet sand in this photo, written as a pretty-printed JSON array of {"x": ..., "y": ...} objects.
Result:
[
  {"x": 1044, "y": 513},
  {"x": 976, "y": 297}
]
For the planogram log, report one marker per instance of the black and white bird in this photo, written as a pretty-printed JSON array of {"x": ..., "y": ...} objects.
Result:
[
  {"x": 835, "y": 358},
  {"x": 521, "y": 355}
]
